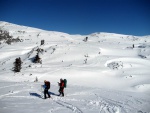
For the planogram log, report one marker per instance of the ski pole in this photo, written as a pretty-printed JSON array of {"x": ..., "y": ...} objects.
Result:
[{"x": 41, "y": 91}]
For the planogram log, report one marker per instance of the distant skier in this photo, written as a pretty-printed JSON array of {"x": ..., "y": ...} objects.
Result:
[
  {"x": 46, "y": 88},
  {"x": 61, "y": 87}
]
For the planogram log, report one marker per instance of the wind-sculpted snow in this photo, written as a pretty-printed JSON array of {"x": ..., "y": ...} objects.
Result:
[{"x": 107, "y": 73}]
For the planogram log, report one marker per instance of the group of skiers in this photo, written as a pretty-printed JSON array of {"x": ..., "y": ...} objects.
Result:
[{"x": 61, "y": 84}]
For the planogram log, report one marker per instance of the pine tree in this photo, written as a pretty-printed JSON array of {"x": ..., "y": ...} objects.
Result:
[
  {"x": 37, "y": 59},
  {"x": 42, "y": 42},
  {"x": 36, "y": 79},
  {"x": 85, "y": 39},
  {"x": 17, "y": 65}
]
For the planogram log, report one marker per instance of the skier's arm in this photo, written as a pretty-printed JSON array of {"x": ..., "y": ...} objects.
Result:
[{"x": 44, "y": 86}]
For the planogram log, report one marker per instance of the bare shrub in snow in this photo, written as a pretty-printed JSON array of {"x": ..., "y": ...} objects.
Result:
[
  {"x": 4, "y": 35},
  {"x": 115, "y": 65}
]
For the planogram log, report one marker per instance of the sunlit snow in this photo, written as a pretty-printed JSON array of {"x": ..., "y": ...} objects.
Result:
[{"x": 105, "y": 74}]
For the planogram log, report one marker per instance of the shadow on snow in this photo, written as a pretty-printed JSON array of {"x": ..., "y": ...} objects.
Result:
[{"x": 40, "y": 95}]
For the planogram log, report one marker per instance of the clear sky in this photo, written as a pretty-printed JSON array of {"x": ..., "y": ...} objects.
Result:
[{"x": 131, "y": 17}]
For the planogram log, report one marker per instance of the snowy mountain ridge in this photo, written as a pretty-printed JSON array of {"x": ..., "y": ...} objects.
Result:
[{"x": 106, "y": 72}]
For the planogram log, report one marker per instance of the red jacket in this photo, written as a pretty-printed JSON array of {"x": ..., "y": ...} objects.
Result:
[{"x": 61, "y": 84}]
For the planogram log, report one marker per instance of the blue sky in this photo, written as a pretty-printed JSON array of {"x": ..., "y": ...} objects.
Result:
[{"x": 131, "y": 17}]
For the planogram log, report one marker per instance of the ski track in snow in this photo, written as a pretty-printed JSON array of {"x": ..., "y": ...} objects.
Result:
[
  {"x": 70, "y": 102},
  {"x": 105, "y": 106},
  {"x": 68, "y": 105}
]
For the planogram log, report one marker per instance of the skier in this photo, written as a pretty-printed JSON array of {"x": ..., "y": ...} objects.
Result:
[
  {"x": 61, "y": 87},
  {"x": 46, "y": 88}
]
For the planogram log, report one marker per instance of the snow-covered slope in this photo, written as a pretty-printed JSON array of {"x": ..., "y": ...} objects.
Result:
[{"x": 105, "y": 73}]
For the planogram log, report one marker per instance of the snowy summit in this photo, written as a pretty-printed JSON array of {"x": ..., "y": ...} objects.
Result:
[{"x": 105, "y": 72}]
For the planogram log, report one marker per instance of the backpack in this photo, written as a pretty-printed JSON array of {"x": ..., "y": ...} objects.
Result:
[
  {"x": 65, "y": 83},
  {"x": 47, "y": 84}
]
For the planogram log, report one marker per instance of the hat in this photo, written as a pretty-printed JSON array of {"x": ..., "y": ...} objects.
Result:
[{"x": 61, "y": 79}]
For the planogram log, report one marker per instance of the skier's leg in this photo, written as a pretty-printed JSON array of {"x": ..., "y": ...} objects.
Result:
[
  {"x": 48, "y": 94},
  {"x": 59, "y": 91},
  {"x": 63, "y": 92},
  {"x": 44, "y": 93}
]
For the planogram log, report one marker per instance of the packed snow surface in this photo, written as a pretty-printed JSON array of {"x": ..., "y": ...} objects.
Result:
[{"x": 107, "y": 73}]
